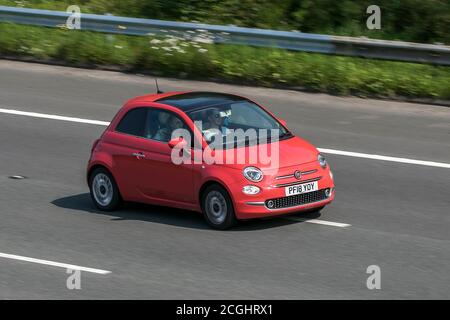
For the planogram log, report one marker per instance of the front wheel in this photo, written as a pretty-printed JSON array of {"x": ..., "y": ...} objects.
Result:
[
  {"x": 104, "y": 191},
  {"x": 218, "y": 208}
]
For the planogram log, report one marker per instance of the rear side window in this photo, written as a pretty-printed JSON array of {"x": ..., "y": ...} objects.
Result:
[
  {"x": 161, "y": 124},
  {"x": 133, "y": 122}
]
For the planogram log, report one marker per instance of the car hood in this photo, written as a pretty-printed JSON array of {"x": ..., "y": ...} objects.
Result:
[{"x": 286, "y": 153}]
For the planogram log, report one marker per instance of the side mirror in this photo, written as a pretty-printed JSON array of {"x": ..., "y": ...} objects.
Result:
[
  {"x": 180, "y": 142},
  {"x": 283, "y": 122}
]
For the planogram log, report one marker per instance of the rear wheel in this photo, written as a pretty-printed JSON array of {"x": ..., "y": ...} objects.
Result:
[
  {"x": 218, "y": 208},
  {"x": 104, "y": 191}
]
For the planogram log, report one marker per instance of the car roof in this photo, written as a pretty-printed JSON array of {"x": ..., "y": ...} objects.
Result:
[{"x": 189, "y": 101}]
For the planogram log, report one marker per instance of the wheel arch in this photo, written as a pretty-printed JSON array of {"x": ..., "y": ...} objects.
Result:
[
  {"x": 106, "y": 167},
  {"x": 94, "y": 167},
  {"x": 211, "y": 182},
  {"x": 102, "y": 165}
]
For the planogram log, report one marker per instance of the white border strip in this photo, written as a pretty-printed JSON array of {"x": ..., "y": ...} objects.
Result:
[
  {"x": 386, "y": 158},
  {"x": 52, "y": 263},
  {"x": 329, "y": 151},
  {"x": 322, "y": 222},
  {"x": 53, "y": 117}
]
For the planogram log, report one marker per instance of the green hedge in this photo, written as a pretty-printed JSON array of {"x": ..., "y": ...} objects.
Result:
[
  {"x": 411, "y": 20},
  {"x": 233, "y": 63}
]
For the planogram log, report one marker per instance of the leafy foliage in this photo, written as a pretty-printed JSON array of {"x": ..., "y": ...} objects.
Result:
[
  {"x": 182, "y": 58},
  {"x": 411, "y": 20}
]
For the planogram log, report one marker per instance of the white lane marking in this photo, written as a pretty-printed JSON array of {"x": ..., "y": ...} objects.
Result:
[
  {"x": 322, "y": 222},
  {"x": 386, "y": 158},
  {"x": 53, "y": 263},
  {"x": 53, "y": 117},
  {"x": 330, "y": 151}
]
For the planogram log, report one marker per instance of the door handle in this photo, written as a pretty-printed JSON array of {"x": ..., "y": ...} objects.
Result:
[{"x": 138, "y": 155}]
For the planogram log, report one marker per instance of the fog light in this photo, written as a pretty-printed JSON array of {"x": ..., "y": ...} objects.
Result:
[
  {"x": 328, "y": 192},
  {"x": 251, "y": 190},
  {"x": 270, "y": 204}
]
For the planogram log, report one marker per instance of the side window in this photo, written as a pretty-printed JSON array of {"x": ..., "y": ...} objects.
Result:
[
  {"x": 160, "y": 124},
  {"x": 133, "y": 122}
]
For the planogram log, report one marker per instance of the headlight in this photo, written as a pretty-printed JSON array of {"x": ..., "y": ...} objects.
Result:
[
  {"x": 253, "y": 174},
  {"x": 322, "y": 160},
  {"x": 250, "y": 190}
]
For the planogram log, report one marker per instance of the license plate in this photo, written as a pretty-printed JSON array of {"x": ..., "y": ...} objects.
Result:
[{"x": 302, "y": 188}]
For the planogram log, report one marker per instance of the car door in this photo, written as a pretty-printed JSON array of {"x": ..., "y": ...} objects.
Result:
[
  {"x": 161, "y": 179},
  {"x": 122, "y": 145}
]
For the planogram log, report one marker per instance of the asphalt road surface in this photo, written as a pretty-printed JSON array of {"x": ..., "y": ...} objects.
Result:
[{"x": 391, "y": 214}]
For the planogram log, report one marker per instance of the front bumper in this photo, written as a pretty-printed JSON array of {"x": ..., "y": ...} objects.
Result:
[
  {"x": 258, "y": 209},
  {"x": 256, "y": 206}
]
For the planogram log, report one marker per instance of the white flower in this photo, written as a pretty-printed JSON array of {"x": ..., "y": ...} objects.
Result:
[
  {"x": 202, "y": 50},
  {"x": 171, "y": 41},
  {"x": 155, "y": 41},
  {"x": 203, "y": 40}
]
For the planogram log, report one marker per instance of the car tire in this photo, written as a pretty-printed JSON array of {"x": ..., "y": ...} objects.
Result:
[
  {"x": 217, "y": 208},
  {"x": 103, "y": 189}
]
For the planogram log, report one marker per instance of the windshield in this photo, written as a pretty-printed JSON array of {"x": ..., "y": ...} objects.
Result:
[{"x": 237, "y": 123}]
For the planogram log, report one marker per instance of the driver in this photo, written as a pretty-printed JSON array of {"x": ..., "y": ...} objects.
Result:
[
  {"x": 214, "y": 119},
  {"x": 215, "y": 122}
]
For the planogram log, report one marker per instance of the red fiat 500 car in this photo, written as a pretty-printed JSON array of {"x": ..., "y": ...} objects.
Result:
[{"x": 203, "y": 151}]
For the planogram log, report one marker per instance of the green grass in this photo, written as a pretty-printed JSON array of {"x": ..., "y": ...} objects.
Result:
[{"x": 231, "y": 63}]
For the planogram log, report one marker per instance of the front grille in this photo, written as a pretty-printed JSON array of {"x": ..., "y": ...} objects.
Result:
[
  {"x": 303, "y": 173},
  {"x": 297, "y": 200},
  {"x": 282, "y": 185}
]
